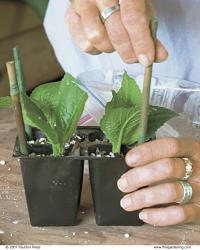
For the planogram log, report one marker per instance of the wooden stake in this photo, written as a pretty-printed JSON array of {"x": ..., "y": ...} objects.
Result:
[
  {"x": 20, "y": 82},
  {"x": 14, "y": 92},
  {"x": 147, "y": 88}
]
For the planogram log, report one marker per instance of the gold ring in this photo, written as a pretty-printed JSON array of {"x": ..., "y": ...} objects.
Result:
[{"x": 188, "y": 168}]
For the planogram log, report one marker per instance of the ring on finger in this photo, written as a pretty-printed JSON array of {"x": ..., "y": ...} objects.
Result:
[
  {"x": 104, "y": 15},
  {"x": 188, "y": 168},
  {"x": 187, "y": 192}
]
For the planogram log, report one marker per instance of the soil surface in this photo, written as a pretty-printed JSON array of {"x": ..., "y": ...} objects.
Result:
[{"x": 15, "y": 227}]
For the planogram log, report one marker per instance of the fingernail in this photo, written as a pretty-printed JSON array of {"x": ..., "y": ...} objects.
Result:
[
  {"x": 126, "y": 202},
  {"x": 131, "y": 60},
  {"x": 143, "y": 216},
  {"x": 143, "y": 59},
  {"x": 122, "y": 184},
  {"x": 160, "y": 60},
  {"x": 132, "y": 159}
]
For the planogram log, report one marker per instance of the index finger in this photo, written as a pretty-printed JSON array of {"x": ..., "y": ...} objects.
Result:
[
  {"x": 163, "y": 148},
  {"x": 134, "y": 18}
]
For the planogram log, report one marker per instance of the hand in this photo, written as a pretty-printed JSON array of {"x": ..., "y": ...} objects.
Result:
[
  {"x": 125, "y": 31},
  {"x": 158, "y": 166}
]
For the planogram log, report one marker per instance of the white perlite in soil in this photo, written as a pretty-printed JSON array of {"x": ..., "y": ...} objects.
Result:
[
  {"x": 102, "y": 153},
  {"x": 31, "y": 142},
  {"x": 67, "y": 145},
  {"x": 42, "y": 140}
]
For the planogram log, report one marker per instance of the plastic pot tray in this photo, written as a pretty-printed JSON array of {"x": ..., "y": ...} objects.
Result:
[{"x": 53, "y": 184}]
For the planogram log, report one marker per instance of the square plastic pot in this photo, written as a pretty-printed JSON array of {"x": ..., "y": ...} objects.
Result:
[
  {"x": 104, "y": 174},
  {"x": 52, "y": 188},
  {"x": 53, "y": 184}
]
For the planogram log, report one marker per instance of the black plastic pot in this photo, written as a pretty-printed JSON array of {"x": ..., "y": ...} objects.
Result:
[
  {"x": 104, "y": 174},
  {"x": 52, "y": 188},
  {"x": 53, "y": 184}
]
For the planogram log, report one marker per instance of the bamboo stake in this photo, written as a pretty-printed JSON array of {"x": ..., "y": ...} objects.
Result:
[
  {"x": 14, "y": 92},
  {"x": 147, "y": 88},
  {"x": 20, "y": 82}
]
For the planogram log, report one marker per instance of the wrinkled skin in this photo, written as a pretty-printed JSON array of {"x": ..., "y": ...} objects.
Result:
[
  {"x": 156, "y": 167},
  {"x": 125, "y": 31}
]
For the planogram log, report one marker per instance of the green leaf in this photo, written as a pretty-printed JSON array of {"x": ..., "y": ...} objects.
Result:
[
  {"x": 129, "y": 94},
  {"x": 34, "y": 117},
  {"x": 44, "y": 97},
  {"x": 70, "y": 107},
  {"x": 121, "y": 122},
  {"x": 157, "y": 117},
  {"x": 121, "y": 126},
  {"x": 62, "y": 103},
  {"x": 6, "y": 102}
]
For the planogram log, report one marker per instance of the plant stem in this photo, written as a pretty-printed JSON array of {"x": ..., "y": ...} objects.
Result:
[
  {"x": 21, "y": 83},
  {"x": 147, "y": 88},
  {"x": 14, "y": 92},
  {"x": 57, "y": 151}
]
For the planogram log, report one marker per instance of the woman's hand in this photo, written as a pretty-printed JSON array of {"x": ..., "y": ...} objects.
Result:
[
  {"x": 125, "y": 31},
  {"x": 158, "y": 165}
]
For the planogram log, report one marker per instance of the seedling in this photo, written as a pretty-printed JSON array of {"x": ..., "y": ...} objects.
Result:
[
  {"x": 121, "y": 122},
  {"x": 54, "y": 108}
]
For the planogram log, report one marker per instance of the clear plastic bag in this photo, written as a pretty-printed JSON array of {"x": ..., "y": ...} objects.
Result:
[{"x": 181, "y": 96}]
